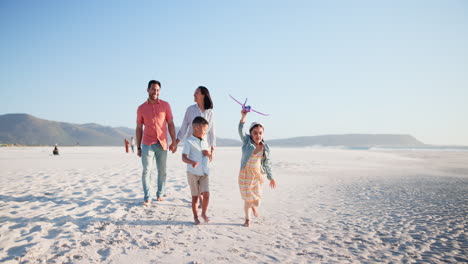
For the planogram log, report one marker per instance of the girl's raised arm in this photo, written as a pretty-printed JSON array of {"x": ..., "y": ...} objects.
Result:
[{"x": 242, "y": 135}]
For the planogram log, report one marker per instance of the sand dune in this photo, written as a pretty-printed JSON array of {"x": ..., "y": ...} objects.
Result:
[{"x": 331, "y": 206}]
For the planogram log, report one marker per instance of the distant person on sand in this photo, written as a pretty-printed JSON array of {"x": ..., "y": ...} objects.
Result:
[
  {"x": 132, "y": 144},
  {"x": 203, "y": 108},
  {"x": 126, "y": 145},
  {"x": 255, "y": 163},
  {"x": 196, "y": 153},
  {"x": 156, "y": 117},
  {"x": 55, "y": 151}
]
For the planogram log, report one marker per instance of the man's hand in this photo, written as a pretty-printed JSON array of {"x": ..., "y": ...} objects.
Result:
[
  {"x": 194, "y": 164},
  {"x": 139, "y": 152},
  {"x": 173, "y": 147}
]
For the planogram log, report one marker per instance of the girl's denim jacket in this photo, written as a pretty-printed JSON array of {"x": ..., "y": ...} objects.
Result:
[{"x": 248, "y": 147}]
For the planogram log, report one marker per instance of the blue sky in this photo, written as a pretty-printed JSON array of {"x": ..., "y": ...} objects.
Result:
[{"x": 318, "y": 67}]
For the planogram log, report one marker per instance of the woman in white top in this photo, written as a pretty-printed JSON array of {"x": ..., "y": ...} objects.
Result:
[{"x": 203, "y": 108}]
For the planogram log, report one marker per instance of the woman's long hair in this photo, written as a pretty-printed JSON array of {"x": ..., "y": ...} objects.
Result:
[{"x": 207, "y": 103}]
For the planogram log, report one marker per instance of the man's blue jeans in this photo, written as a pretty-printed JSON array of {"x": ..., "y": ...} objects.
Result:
[{"x": 148, "y": 154}]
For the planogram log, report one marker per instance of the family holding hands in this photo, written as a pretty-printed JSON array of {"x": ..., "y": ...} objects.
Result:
[{"x": 154, "y": 119}]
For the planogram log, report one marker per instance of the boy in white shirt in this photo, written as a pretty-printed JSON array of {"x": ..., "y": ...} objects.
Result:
[{"x": 196, "y": 154}]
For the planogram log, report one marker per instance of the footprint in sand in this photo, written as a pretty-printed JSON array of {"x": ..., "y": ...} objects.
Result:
[
  {"x": 85, "y": 243},
  {"x": 37, "y": 228},
  {"x": 105, "y": 252}
]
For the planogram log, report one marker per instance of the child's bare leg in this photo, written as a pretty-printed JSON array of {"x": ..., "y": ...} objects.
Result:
[
  {"x": 255, "y": 206},
  {"x": 195, "y": 210},
  {"x": 206, "y": 200},
  {"x": 247, "y": 208},
  {"x": 200, "y": 198}
]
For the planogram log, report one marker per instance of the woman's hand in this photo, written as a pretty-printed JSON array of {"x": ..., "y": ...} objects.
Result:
[
  {"x": 211, "y": 154},
  {"x": 272, "y": 184}
]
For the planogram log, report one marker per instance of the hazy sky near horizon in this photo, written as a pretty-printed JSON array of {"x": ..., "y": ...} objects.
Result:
[{"x": 318, "y": 67}]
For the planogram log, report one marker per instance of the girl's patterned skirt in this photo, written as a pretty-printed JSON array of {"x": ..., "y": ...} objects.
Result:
[{"x": 251, "y": 178}]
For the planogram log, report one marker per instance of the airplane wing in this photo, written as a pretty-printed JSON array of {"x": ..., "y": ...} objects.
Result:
[
  {"x": 259, "y": 112},
  {"x": 236, "y": 100}
]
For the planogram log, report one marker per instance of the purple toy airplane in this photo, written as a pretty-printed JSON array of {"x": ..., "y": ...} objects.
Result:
[{"x": 247, "y": 108}]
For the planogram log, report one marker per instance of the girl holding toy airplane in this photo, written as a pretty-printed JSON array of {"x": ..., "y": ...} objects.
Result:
[{"x": 255, "y": 163}]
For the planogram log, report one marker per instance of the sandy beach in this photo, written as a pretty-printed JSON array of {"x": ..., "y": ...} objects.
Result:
[{"x": 331, "y": 206}]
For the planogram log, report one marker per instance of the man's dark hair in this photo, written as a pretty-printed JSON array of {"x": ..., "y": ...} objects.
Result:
[
  {"x": 153, "y": 82},
  {"x": 199, "y": 121},
  {"x": 208, "y": 104}
]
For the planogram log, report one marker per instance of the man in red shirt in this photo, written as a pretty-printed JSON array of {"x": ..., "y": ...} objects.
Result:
[{"x": 156, "y": 117}]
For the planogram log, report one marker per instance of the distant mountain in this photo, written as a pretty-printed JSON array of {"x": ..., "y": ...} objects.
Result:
[
  {"x": 130, "y": 131},
  {"x": 23, "y": 129},
  {"x": 350, "y": 140}
]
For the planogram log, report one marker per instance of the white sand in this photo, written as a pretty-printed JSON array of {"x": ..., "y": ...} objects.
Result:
[{"x": 331, "y": 206}]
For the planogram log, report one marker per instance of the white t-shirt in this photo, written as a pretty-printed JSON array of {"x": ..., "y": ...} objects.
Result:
[
  {"x": 193, "y": 148},
  {"x": 186, "y": 127}
]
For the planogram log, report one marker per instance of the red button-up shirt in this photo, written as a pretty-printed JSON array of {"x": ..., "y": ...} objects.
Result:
[{"x": 154, "y": 117}]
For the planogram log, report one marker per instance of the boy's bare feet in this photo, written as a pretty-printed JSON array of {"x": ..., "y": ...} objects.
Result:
[
  {"x": 255, "y": 211},
  {"x": 205, "y": 218},
  {"x": 146, "y": 203},
  {"x": 247, "y": 223},
  {"x": 196, "y": 221},
  {"x": 160, "y": 199}
]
